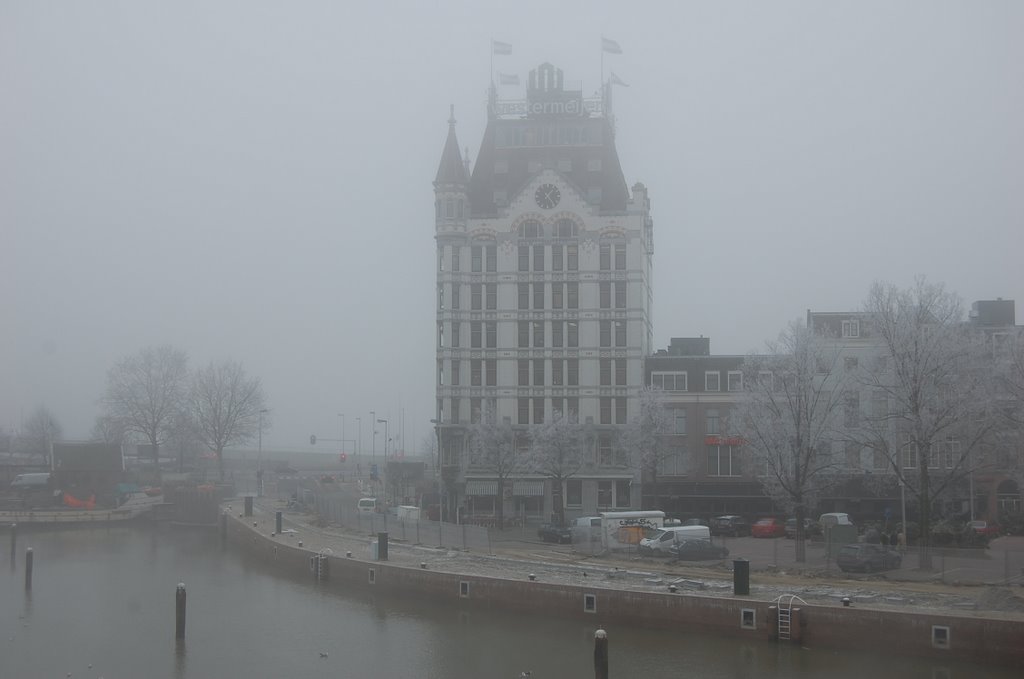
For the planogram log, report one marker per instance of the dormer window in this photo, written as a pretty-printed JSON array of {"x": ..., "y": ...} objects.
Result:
[{"x": 851, "y": 328}]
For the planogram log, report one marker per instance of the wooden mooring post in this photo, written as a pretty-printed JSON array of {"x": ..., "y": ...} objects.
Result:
[
  {"x": 179, "y": 611},
  {"x": 600, "y": 654},
  {"x": 28, "y": 568}
]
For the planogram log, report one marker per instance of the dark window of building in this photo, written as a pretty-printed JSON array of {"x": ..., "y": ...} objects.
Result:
[
  {"x": 492, "y": 258},
  {"x": 475, "y": 335},
  {"x": 492, "y": 372},
  {"x": 475, "y": 294},
  {"x": 538, "y": 295},
  {"x": 538, "y": 334},
  {"x": 492, "y": 334},
  {"x": 524, "y": 411},
  {"x": 524, "y": 257},
  {"x": 524, "y": 372},
  {"x": 573, "y": 372},
  {"x": 476, "y": 259},
  {"x": 492, "y": 296}
]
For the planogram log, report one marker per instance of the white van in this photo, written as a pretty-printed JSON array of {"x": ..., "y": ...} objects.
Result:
[
  {"x": 367, "y": 505},
  {"x": 834, "y": 519},
  {"x": 586, "y": 529},
  {"x": 660, "y": 541},
  {"x": 31, "y": 481}
]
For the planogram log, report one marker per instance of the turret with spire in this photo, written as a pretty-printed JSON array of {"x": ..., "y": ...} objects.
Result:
[{"x": 452, "y": 180}]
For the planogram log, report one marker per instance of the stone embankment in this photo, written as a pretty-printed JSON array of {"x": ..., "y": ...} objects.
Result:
[{"x": 906, "y": 618}]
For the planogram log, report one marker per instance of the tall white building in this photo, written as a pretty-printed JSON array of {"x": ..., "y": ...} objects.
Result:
[{"x": 543, "y": 292}]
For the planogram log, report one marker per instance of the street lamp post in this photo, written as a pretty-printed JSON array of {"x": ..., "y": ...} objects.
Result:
[
  {"x": 373, "y": 439},
  {"x": 359, "y": 441},
  {"x": 437, "y": 471},
  {"x": 342, "y": 416},
  {"x": 259, "y": 457},
  {"x": 384, "y": 475}
]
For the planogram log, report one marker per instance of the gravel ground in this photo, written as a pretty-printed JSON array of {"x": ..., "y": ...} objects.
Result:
[{"x": 548, "y": 563}]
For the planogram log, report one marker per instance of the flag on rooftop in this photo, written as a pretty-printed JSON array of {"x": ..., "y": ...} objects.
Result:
[
  {"x": 616, "y": 80},
  {"x": 508, "y": 78},
  {"x": 500, "y": 47},
  {"x": 610, "y": 46}
]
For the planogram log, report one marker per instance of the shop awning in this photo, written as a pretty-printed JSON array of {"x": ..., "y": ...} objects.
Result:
[
  {"x": 528, "y": 488},
  {"x": 476, "y": 487}
]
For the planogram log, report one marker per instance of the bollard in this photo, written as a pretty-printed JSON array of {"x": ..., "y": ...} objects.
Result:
[
  {"x": 14, "y": 542},
  {"x": 277, "y": 521},
  {"x": 382, "y": 546},
  {"x": 28, "y": 568},
  {"x": 741, "y": 577},
  {"x": 248, "y": 505},
  {"x": 179, "y": 611},
  {"x": 600, "y": 654}
]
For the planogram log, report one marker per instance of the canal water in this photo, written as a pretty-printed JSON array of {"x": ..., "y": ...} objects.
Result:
[{"x": 102, "y": 604}]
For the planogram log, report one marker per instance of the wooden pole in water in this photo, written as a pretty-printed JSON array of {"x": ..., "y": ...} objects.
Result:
[
  {"x": 600, "y": 654},
  {"x": 28, "y": 568},
  {"x": 179, "y": 611}
]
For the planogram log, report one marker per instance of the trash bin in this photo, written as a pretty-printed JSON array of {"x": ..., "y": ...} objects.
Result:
[
  {"x": 382, "y": 546},
  {"x": 741, "y": 577},
  {"x": 248, "y": 505}
]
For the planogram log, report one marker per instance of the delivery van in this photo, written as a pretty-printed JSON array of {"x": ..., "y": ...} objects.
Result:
[
  {"x": 367, "y": 505},
  {"x": 34, "y": 481},
  {"x": 662, "y": 540},
  {"x": 625, "y": 530}
]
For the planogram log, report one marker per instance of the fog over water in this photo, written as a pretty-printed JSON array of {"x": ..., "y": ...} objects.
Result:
[{"x": 252, "y": 179}]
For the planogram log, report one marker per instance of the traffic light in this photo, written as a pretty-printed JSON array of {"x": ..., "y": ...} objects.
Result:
[
  {"x": 343, "y": 457},
  {"x": 312, "y": 439}
]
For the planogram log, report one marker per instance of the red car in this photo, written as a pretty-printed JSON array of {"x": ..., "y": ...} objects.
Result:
[
  {"x": 984, "y": 528},
  {"x": 768, "y": 528}
]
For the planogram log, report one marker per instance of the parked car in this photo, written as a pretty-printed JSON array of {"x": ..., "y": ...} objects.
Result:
[
  {"x": 695, "y": 522},
  {"x": 768, "y": 528},
  {"x": 731, "y": 525},
  {"x": 697, "y": 550},
  {"x": 549, "y": 532},
  {"x": 867, "y": 557},
  {"x": 810, "y": 528},
  {"x": 984, "y": 528}
]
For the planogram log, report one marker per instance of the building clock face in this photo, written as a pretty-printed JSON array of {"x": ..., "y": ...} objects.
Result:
[{"x": 547, "y": 196}]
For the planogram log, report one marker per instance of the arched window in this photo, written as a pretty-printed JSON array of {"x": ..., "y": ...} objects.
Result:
[
  {"x": 530, "y": 229},
  {"x": 450, "y": 208},
  {"x": 458, "y": 214},
  {"x": 566, "y": 228}
]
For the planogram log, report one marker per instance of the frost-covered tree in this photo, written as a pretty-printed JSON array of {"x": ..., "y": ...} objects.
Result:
[
  {"x": 108, "y": 429},
  {"x": 146, "y": 391},
  {"x": 225, "y": 406},
  {"x": 556, "y": 451},
  {"x": 935, "y": 416},
  {"x": 41, "y": 429},
  {"x": 646, "y": 438},
  {"x": 493, "y": 448},
  {"x": 789, "y": 416}
]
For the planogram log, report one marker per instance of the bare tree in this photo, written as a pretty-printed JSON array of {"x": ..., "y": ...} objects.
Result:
[
  {"x": 934, "y": 384},
  {"x": 225, "y": 407},
  {"x": 108, "y": 429},
  {"x": 788, "y": 418},
  {"x": 41, "y": 429},
  {"x": 145, "y": 392},
  {"x": 645, "y": 439},
  {"x": 556, "y": 451},
  {"x": 493, "y": 447}
]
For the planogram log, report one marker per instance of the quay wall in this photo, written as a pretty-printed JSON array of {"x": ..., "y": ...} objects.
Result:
[{"x": 937, "y": 636}]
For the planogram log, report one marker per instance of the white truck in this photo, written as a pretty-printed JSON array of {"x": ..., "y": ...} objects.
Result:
[{"x": 624, "y": 530}]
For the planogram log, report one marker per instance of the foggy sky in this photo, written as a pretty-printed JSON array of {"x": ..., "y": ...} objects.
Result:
[{"x": 252, "y": 179}]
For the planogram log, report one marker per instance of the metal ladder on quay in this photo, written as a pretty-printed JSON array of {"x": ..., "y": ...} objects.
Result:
[{"x": 785, "y": 611}]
